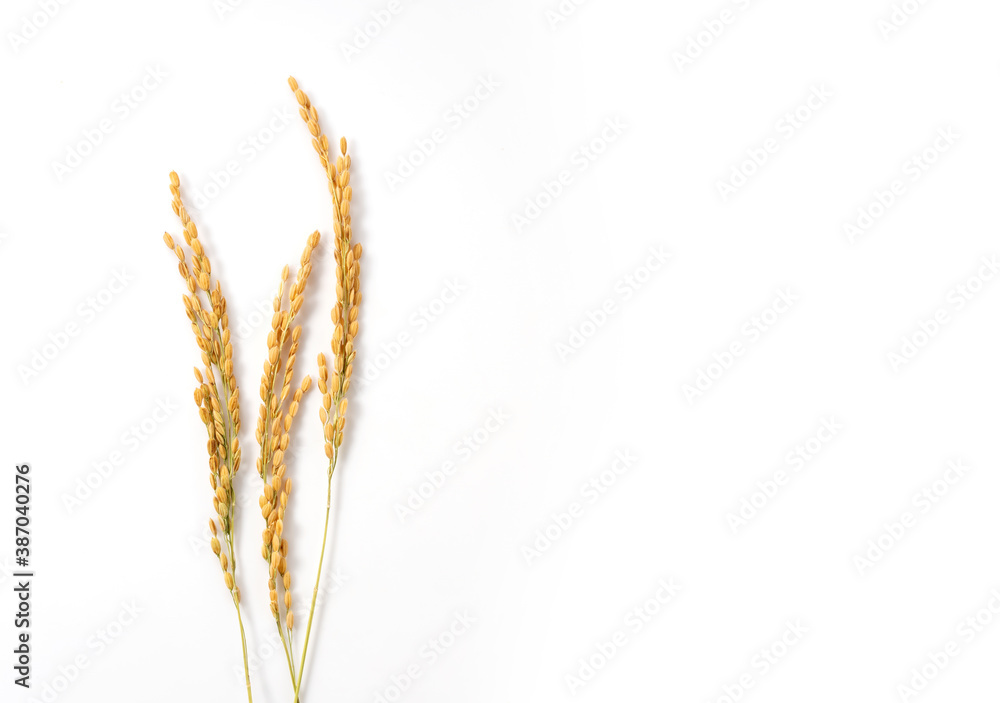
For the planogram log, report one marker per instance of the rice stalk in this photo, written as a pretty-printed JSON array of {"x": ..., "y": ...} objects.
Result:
[
  {"x": 277, "y": 411},
  {"x": 333, "y": 385},
  {"x": 219, "y": 408}
]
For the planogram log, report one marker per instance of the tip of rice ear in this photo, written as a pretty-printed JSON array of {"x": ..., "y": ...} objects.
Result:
[
  {"x": 292, "y": 83},
  {"x": 174, "y": 179},
  {"x": 343, "y": 146}
]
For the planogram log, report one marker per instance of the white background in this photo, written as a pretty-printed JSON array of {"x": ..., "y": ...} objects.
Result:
[{"x": 214, "y": 80}]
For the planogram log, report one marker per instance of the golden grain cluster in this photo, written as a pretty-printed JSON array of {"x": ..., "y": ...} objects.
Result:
[
  {"x": 274, "y": 423},
  {"x": 219, "y": 409},
  {"x": 348, "y": 262}
]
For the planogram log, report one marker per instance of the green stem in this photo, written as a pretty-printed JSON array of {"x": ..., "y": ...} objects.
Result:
[
  {"x": 243, "y": 637},
  {"x": 288, "y": 633},
  {"x": 319, "y": 572},
  {"x": 287, "y": 646}
]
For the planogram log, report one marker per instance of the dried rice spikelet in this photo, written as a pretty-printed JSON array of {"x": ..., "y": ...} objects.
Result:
[{"x": 218, "y": 402}]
